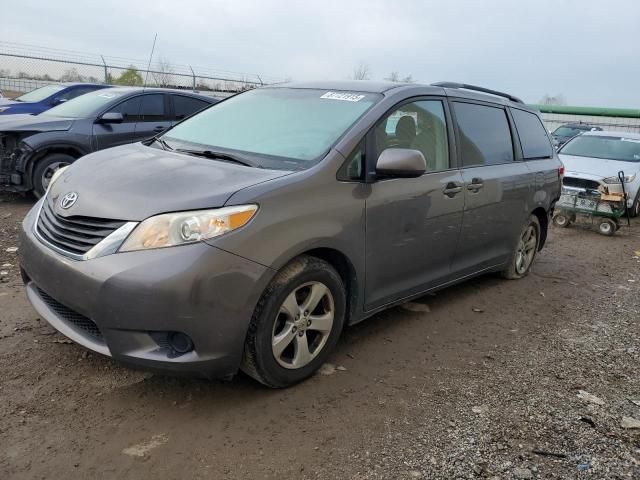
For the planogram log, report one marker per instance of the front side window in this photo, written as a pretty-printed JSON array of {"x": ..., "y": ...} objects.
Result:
[
  {"x": 279, "y": 127},
  {"x": 420, "y": 126},
  {"x": 606, "y": 147},
  {"x": 533, "y": 137},
  {"x": 145, "y": 108},
  {"x": 485, "y": 137}
]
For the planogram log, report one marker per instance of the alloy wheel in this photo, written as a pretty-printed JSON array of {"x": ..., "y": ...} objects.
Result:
[
  {"x": 526, "y": 249},
  {"x": 303, "y": 325},
  {"x": 48, "y": 172}
]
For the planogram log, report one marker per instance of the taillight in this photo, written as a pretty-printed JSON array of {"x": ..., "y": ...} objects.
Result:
[{"x": 561, "y": 172}]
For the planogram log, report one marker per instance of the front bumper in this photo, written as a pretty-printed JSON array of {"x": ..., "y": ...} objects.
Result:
[
  {"x": 131, "y": 300},
  {"x": 592, "y": 182}
]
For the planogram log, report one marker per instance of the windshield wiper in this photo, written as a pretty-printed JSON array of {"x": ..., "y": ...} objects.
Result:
[
  {"x": 217, "y": 156},
  {"x": 163, "y": 143}
]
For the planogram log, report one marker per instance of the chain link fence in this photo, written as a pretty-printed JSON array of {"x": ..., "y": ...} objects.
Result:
[
  {"x": 612, "y": 123},
  {"x": 25, "y": 67}
]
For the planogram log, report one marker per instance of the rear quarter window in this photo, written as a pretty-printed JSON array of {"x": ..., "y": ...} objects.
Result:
[{"x": 533, "y": 136}]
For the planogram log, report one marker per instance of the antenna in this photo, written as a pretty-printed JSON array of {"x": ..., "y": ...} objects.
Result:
[
  {"x": 144, "y": 87},
  {"x": 153, "y": 47}
]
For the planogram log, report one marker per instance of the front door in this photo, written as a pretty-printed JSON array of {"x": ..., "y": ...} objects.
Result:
[{"x": 412, "y": 224}]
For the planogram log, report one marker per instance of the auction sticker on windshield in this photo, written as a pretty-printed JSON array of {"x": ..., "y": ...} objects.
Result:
[{"x": 347, "y": 97}]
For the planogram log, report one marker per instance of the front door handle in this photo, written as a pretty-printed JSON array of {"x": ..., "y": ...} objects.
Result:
[
  {"x": 451, "y": 189},
  {"x": 475, "y": 185},
  {"x": 159, "y": 129}
]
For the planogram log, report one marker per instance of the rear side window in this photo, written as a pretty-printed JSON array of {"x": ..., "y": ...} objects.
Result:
[
  {"x": 185, "y": 106},
  {"x": 533, "y": 136},
  {"x": 152, "y": 108},
  {"x": 485, "y": 137}
]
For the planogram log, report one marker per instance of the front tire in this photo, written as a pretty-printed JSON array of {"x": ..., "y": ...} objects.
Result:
[
  {"x": 44, "y": 170},
  {"x": 296, "y": 324},
  {"x": 634, "y": 210},
  {"x": 525, "y": 251}
]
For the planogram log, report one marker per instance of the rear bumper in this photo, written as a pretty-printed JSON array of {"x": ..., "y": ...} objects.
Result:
[{"x": 134, "y": 299}]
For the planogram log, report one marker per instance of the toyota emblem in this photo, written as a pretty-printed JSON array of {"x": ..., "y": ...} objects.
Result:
[{"x": 68, "y": 200}]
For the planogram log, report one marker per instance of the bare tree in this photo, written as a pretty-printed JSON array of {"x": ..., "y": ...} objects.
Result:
[
  {"x": 163, "y": 73},
  {"x": 557, "y": 99},
  {"x": 395, "y": 77},
  {"x": 362, "y": 72},
  {"x": 71, "y": 75}
]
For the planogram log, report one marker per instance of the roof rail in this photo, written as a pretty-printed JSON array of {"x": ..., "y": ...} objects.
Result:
[{"x": 466, "y": 86}]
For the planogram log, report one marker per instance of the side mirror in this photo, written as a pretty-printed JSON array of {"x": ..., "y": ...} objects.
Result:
[
  {"x": 111, "y": 117},
  {"x": 401, "y": 162}
]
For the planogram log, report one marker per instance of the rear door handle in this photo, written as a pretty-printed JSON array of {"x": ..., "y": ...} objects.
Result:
[
  {"x": 475, "y": 185},
  {"x": 451, "y": 189}
]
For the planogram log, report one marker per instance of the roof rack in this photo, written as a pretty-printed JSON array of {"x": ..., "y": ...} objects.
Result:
[{"x": 466, "y": 86}]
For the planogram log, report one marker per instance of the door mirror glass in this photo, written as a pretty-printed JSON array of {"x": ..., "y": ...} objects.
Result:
[
  {"x": 111, "y": 117},
  {"x": 401, "y": 162}
]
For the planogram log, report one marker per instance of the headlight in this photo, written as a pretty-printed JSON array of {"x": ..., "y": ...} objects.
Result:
[
  {"x": 627, "y": 179},
  {"x": 171, "y": 229}
]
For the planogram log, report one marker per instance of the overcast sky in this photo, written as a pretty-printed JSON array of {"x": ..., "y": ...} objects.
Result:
[{"x": 586, "y": 50}]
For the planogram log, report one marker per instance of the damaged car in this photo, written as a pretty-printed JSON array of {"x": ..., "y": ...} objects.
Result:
[
  {"x": 33, "y": 148},
  {"x": 604, "y": 161}
]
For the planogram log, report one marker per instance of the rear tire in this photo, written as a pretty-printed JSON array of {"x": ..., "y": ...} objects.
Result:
[
  {"x": 561, "y": 220},
  {"x": 525, "y": 250},
  {"x": 634, "y": 210},
  {"x": 44, "y": 170},
  {"x": 607, "y": 227},
  {"x": 296, "y": 323}
]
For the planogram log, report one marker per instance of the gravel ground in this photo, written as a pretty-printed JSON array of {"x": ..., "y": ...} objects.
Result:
[{"x": 537, "y": 378}]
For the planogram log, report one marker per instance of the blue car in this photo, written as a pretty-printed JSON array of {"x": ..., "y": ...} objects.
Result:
[{"x": 43, "y": 98}]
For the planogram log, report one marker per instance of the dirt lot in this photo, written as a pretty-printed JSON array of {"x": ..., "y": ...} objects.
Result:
[{"x": 494, "y": 373}]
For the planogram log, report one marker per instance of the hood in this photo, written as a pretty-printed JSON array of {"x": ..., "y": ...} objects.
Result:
[
  {"x": 596, "y": 167},
  {"x": 133, "y": 182},
  {"x": 33, "y": 123}
]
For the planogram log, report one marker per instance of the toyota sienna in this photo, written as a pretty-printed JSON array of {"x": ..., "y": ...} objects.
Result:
[{"x": 249, "y": 235}]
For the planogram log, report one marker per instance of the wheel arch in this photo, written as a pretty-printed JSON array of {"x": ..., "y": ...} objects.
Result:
[
  {"x": 41, "y": 152},
  {"x": 543, "y": 218},
  {"x": 345, "y": 269}
]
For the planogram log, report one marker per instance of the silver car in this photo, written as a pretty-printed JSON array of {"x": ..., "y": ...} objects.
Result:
[
  {"x": 593, "y": 160},
  {"x": 249, "y": 235}
]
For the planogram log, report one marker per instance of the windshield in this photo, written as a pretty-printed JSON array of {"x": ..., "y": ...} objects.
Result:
[
  {"x": 84, "y": 106},
  {"x": 610, "y": 148},
  {"x": 568, "y": 131},
  {"x": 277, "y": 123},
  {"x": 39, "y": 94}
]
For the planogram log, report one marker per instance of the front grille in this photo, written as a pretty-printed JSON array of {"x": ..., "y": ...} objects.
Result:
[
  {"x": 76, "y": 234},
  {"x": 580, "y": 183},
  {"x": 72, "y": 317}
]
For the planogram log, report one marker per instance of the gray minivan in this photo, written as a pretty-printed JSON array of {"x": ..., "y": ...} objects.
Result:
[{"x": 249, "y": 235}]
